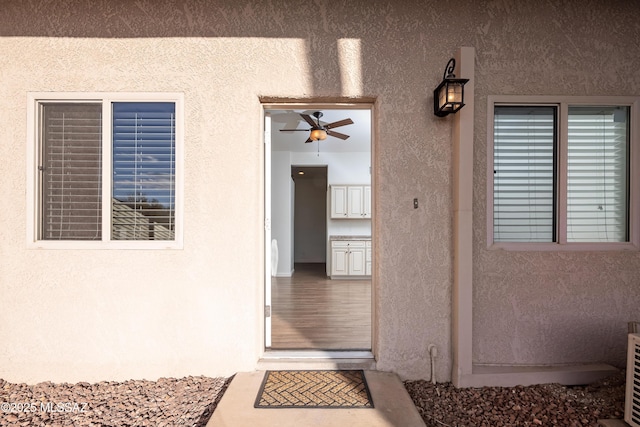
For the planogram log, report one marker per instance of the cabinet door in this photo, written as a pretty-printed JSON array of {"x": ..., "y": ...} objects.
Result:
[
  {"x": 339, "y": 261},
  {"x": 367, "y": 260},
  {"x": 357, "y": 262},
  {"x": 339, "y": 201},
  {"x": 366, "y": 201},
  {"x": 355, "y": 197}
]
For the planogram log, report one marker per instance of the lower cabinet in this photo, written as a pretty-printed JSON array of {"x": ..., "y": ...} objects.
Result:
[{"x": 350, "y": 258}]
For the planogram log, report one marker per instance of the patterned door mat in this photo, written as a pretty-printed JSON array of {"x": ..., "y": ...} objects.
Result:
[{"x": 314, "y": 389}]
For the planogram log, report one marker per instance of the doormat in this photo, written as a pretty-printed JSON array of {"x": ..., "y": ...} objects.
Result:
[{"x": 314, "y": 389}]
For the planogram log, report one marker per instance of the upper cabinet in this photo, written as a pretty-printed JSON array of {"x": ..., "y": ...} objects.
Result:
[
  {"x": 339, "y": 201},
  {"x": 350, "y": 201}
]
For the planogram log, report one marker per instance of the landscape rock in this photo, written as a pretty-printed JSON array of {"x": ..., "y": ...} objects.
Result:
[
  {"x": 191, "y": 401},
  {"x": 112, "y": 404},
  {"x": 443, "y": 405}
]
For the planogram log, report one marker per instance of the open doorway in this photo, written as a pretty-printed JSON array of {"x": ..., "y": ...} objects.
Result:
[
  {"x": 313, "y": 304},
  {"x": 310, "y": 216}
]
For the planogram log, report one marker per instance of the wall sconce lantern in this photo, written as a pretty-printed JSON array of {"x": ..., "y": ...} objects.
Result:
[{"x": 448, "y": 97}]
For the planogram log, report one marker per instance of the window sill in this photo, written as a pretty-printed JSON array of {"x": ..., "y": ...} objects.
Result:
[
  {"x": 574, "y": 247},
  {"x": 100, "y": 245}
]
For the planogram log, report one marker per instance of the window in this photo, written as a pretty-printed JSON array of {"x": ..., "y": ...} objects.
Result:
[
  {"x": 106, "y": 170},
  {"x": 560, "y": 173}
]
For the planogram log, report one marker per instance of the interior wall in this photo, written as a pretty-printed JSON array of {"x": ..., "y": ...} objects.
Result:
[
  {"x": 344, "y": 169},
  {"x": 282, "y": 210},
  {"x": 310, "y": 220}
]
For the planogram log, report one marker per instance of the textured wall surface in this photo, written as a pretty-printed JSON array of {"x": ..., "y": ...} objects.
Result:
[
  {"x": 68, "y": 315},
  {"x": 552, "y": 307}
]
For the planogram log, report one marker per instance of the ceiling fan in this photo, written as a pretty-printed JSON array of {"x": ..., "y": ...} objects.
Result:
[{"x": 319, "y": 131}]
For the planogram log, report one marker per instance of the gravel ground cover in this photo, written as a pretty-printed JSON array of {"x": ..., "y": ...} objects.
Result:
[
  {"x": 443, "y": 405},
  {"x": 191, "y": 401}
]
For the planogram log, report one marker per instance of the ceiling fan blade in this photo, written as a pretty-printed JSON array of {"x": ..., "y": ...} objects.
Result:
[
  {"x": 339, "y": 123},
  {"x": 307, "y": 118},
  {"x": 337, "y": 134},
  {"x": 295, "y": 130},
  {"x": 308, "y": 140}
]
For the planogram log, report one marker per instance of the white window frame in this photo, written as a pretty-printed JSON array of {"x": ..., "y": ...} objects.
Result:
[
  {"x": 563, "y": 103},
  {"x": 34, "y": 99}
]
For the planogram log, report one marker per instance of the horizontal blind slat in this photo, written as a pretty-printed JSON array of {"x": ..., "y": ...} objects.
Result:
[
  {"x": 523, "y": 186},
  {"x": 143, "y": 171},
  {"x": 71, "y": 172},
  {"x": 597, "y": 207}
]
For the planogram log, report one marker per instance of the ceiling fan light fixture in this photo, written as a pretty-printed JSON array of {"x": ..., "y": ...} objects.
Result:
[
  {"x": 320, "y": 132},
  {"x": 318, "y": 135}
]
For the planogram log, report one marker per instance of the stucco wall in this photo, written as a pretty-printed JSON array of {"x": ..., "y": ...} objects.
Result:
[
  {"x": 68, "y": 315},
  {"x": 553, "y": 307}
]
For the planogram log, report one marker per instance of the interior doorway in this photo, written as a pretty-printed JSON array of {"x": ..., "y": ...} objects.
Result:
[
  {"x": 309, "y": 214},
  {"x": 307, "y": 308}
]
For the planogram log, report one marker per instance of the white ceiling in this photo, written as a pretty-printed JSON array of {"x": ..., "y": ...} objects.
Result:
[{"x": 359, "y": 132}]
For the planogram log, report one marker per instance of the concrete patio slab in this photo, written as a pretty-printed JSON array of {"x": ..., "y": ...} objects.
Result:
[{"x": 393, "y": 407}]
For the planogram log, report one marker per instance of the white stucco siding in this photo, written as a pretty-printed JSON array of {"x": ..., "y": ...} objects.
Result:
[
  {"x": 71, "y": 315},
  {"x": 98, "y": 314}
]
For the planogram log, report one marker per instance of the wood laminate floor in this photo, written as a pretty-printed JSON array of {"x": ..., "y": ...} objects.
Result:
[{"x": 311, "y": 311}]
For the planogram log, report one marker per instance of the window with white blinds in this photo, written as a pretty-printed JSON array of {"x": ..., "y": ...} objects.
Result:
[
  {"x": 597, "y": 177},
  {"x": 524, "y": 174},
  {"x": 561, "y": 173},
  {"x": 107, "y": 170},
  {"x": 71, "y": 172},
  {"x": 143, "y": 186}
]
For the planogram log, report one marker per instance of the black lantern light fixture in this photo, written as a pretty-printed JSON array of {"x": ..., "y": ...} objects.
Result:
[{"x": 448, "y": 97}]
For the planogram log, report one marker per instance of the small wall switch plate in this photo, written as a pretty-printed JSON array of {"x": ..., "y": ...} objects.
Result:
[{"x": 415, "y": 203}]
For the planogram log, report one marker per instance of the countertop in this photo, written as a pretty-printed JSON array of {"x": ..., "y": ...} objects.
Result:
[{"x": 346, "y": 237}]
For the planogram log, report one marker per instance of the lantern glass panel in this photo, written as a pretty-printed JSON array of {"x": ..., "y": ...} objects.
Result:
[{"x": 454, "y": 93}]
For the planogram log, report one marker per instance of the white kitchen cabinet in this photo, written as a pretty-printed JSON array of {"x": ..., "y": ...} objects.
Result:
[
  {"x": 366, "y": 202},
  {"x": 355, "y": 198},
  {"x": 349, "y": 258},
  {"x": 339, "y": 259},
  {"x": 356, "y": 259},
  {"x": 339, "y": 204},
  {"x": 350, "y": 201},
  {"x": 367, "y": 259}
]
